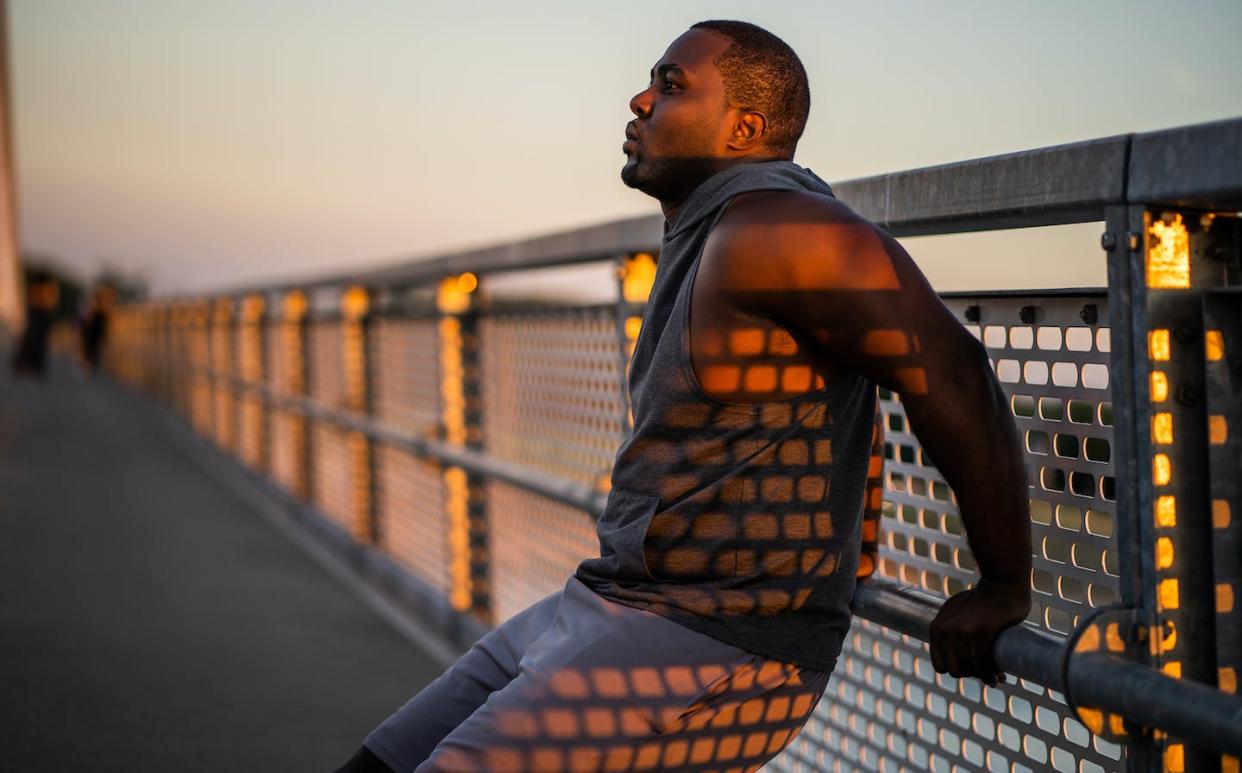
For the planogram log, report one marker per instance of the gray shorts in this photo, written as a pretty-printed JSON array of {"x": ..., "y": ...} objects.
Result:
[{"x": 577, "y": 682}]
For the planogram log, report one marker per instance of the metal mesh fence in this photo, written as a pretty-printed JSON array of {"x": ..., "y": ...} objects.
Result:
[
  {"x": 551, "y": 384},
  {"x": 413, "y": 524},
  {"x": 536, "y": 545},
  {"x": 200, "y": 385},
  {"x": 404, "y": 358},
  {"x": 550, "y": 391},
  {"x": 251, "y": 416},
  {"x": 331, "y": 477},
  {"x": 410, "y": 494},
  {"x": 885, "y": 707}
]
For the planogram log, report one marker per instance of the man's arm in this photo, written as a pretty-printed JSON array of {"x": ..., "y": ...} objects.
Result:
[{"x": 841, "y": 283}]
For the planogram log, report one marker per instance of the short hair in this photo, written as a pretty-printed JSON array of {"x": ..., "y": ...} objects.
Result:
[{"x": 761, "y": 72}]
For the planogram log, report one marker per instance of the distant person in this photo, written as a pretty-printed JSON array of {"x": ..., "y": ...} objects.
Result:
[
  {"x": 705, "y": 632},
  {"x": 94, "y": 325},
  {"x": 42, "y": 296}
]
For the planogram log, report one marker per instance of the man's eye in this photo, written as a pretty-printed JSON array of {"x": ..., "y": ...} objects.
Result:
[{"x": 670, "y": 85}]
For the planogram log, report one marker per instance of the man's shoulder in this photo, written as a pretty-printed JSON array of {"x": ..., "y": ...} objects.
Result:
[
  {"x": 786, "y": 226},
  {"x": 788, "y": 210}
]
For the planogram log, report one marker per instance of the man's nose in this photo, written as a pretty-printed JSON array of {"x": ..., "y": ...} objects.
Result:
[{"x": 640, "y": 103}]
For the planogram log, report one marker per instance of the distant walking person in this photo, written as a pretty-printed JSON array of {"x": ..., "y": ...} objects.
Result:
[
  {"x": 737, "y": 526},
  {"x": 30, "y": 356},
  {"x": 94, "y": 325}
]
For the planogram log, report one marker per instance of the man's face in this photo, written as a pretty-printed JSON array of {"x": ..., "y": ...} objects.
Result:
[{"x": 678, "y": 135}]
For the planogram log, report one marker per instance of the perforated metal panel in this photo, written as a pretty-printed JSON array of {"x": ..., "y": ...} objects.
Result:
[
  {"x": 178, "y": 355},
  {"x": 410, "y": 492},
  {"x": 413, "y": 519},
  {"x": 117, "y": 356},
  {"x": 331, "y": 485},
  {"x": 251, "y": 416},
  {"x": 285, "y": 435},
  {"x": 404, "y": 357},
  {"x": 200, "y": 385},
  {"x": 885, "y": 707},
  {"x": 251, "y": 440},
  {"x": 326, "y": 366},
  {"x": 125, "y": 355},
  {"x": 1223, "y": 341},
  {"x": 551, "y": 387},
  {"x": 331, "y": 475},
  {"x": 176, "y": 361},
  {"x": 277, "y": 357},
  {"x": 283, "y": 440},
  {"x": 224, "y": 419},
  {"x": 1055, "y": 373},
  {"x": 536, "y": 545}
]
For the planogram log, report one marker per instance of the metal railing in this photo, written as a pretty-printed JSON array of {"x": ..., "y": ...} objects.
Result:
[{"x": 463, "y": 445}]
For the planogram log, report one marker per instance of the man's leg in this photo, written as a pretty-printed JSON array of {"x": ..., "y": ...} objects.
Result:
[
  {"x": 615, "y": 688},
  {"x": 408, "y": 736}
]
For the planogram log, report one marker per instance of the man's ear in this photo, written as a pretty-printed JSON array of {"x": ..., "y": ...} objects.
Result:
[{"x": 748, "y": 131}]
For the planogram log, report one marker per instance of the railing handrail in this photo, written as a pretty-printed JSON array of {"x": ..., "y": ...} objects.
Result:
[
  {"x": 1054, "y": 185},
  {"x": 1187, "y": 709}
]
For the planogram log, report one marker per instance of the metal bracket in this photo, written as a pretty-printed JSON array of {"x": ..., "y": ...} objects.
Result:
[{"x": 1114, "y": 631}]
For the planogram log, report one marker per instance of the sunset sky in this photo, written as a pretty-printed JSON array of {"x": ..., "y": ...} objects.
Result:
[{"x": 206, "y": 144}]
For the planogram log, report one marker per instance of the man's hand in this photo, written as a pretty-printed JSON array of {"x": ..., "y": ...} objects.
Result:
[{"x": 965, "y": 630}]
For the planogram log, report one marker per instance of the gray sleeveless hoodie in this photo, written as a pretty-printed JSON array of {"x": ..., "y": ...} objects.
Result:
[{"x": 738, "y": 520}]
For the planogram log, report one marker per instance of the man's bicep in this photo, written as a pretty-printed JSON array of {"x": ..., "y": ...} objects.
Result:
[{"x": 858, "y": 296}]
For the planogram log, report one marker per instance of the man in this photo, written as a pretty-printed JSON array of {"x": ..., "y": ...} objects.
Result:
[
  {"x": 706, "y": 630},
  {"x": 93, "y": 326},
  {"x": 42, "y": 297}
]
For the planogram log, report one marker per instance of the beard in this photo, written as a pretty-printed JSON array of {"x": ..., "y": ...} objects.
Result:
[{"x": 666, "y": 179}]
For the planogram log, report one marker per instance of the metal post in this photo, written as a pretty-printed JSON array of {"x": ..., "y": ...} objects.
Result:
[
  {"x": 252, "y": 367},
  {"x": 210, "y": 334},
  {"x": 225, "y": 368},
  {"x": 461, "y": 424},
  {"x": 1161, "y": 262},
  {"x": 1132, "y": 531},
  {"x": 1223, "y": 352},
  {"x": 204, "y": 405},
  {"x": 355, "y": 330},
  {"x": 173, "y": 354},
  {"x": 168, "y": 345},
  {"x": 296, "y": 306},
  {"x": 635, "y": 276},
  {"x": 183, "y": 363},
  {"x": 163, "y": 329}
]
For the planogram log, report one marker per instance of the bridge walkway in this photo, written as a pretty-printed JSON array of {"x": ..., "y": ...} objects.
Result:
[{"x": 152, "y": 618}]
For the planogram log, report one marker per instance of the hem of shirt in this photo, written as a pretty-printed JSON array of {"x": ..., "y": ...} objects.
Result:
[{"x": 693, "y": 622}]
